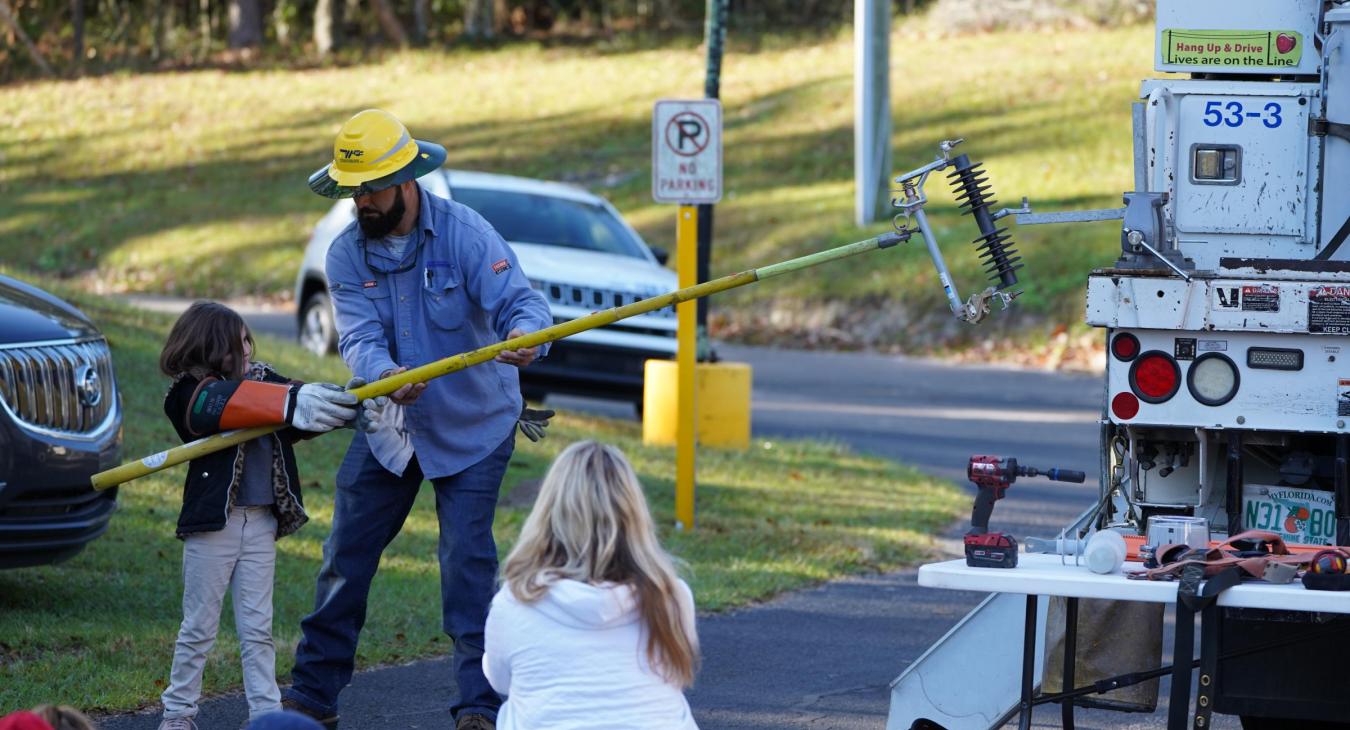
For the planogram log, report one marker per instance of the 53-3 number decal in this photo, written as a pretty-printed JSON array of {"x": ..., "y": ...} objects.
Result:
[{"x": 1233, "y": 114}]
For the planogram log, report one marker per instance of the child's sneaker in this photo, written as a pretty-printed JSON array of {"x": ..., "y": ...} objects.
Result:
[{"x": 177, "y": 723}]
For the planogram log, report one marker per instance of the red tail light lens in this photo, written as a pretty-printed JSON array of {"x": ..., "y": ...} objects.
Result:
[
  {"x": 1125, "y": 406},
  {"x": 1155, "y": 377},
  {"x": 1125, "y": 347}
]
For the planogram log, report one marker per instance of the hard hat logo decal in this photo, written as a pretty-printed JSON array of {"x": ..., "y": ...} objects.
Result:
[{"x": 349, "y": 154}]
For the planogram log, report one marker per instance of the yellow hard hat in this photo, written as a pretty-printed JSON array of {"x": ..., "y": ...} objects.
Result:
[{"x": 373, "y": 151}]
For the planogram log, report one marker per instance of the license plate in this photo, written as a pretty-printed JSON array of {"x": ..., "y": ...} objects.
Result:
[{"x": 1305, "y": 516}]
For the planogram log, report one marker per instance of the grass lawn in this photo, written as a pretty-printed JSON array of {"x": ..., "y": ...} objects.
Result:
[
  {"x": 193, "y": 183},
  {"x": 97, "y": 632}
]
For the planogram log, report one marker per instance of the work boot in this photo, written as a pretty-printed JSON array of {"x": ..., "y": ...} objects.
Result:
[
  {"x": 329, "y": 721},
  {"x": 475, "y": 722},
  {"x": 177, "y": 723}
]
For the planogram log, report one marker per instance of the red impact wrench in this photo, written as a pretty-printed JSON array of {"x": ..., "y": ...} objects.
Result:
[{"x": 992, "y": 476}]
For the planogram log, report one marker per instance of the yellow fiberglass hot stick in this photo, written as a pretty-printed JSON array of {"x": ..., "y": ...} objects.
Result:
[{"x": 200, "y": 447}]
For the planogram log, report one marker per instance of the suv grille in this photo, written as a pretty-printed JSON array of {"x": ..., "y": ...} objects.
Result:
[
  {"x": 596, "y": 299},
  {"x": 66, "y": 387}
]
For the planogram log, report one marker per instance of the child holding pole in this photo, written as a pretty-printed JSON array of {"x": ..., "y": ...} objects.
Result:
[{"x": 236, "y": 502}]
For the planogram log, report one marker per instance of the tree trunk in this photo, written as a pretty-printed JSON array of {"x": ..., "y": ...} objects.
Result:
[
  {"x": 14, "y": 26},
  {"x": 204, "y": 27},
  {"x": 666, "y": 17},
  {"x": 157, "y": 31},
  {"x": 478, "y": 19},
  {"x": 327, "y": 26},
  {"x": 421, "y": 22},
  {"x": 245, "y": 24},
  {"x": 393, "y": 29},
  {"x": 77, "y": 36},
  {"x": 280, "y": 22}
]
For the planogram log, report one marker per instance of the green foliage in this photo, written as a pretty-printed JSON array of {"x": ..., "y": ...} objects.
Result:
[
  {"x": 97, "y": 631},
  {"x": 161, "y": 34}
]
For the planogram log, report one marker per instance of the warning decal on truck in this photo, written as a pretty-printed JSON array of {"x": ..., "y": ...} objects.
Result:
[
  {"x": 1260, "y": 298},
  {"x": 1343, "y": 397},
  {"x": 1329, "y": 310}
]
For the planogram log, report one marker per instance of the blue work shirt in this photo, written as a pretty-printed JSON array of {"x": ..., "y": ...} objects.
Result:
[{"x": 463, "y": 289}]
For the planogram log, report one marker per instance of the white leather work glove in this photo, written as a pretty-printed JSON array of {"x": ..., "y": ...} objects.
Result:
[
  {"x": 368, "y": 419},
  {"x": 322, "y": 407}
]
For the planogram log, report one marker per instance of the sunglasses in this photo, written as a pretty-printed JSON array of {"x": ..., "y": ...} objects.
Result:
[
  {"x": 381, "y": 268},
  {"x": 321, "y": 183}
]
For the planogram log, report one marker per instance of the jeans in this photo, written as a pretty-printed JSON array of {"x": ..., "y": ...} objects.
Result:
[
  {"x": 241, "y": 557},
  {"x": 370, "y": 509}
]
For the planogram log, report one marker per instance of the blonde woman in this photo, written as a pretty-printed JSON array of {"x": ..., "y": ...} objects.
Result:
[{"x": 592, "y": 627}]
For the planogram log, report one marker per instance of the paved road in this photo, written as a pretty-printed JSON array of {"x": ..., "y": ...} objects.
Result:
[{"x": 824, "y": 657}]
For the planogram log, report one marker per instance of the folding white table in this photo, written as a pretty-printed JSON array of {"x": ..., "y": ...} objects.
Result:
[{"x": 1050, "y": 575}]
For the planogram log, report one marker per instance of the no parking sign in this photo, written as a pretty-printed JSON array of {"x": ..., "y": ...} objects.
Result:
[{"x": 687, "y": 151}]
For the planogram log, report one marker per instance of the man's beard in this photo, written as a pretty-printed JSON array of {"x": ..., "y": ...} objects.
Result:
[{"x": 378, "y": 225}]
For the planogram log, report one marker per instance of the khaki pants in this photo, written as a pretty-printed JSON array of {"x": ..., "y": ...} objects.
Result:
[{"x": 241, "y": 557}]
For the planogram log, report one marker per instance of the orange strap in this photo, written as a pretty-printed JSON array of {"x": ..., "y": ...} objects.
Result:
[
  {"x": 255, "y": 404},
  {"x": 1134, "y": 542}
]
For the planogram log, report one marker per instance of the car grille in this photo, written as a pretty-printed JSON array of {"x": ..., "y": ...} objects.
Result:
[
  {"x": 624, "y": 326},
  {"x": 66, "y": 387},
  {"x": 596, "y": 299}
]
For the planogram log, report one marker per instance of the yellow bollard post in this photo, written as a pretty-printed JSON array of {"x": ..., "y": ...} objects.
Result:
[
  {"x": 722, "y": 391},
  {"x": 686, "y": 244}
]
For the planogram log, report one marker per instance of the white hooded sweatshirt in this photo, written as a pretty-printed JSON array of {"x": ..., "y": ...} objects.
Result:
[{"x": 577, "y": 658}]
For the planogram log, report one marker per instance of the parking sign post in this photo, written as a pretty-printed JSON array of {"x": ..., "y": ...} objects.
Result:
[
  {"x": 686, "y": 257},
  {"x": 686, "y": 170}
]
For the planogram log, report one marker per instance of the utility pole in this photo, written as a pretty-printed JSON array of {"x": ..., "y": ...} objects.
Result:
[
  {"x": 872, "y": 109},
  {"x": 714, "y": 35}
]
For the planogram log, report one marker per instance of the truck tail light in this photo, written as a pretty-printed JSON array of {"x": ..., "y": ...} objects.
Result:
[
  {"x": 1125, "y": 406},
  {"x": 1125, "y": 347},
  {"x": 1155, "y": 377},
  {"x": 1213, "y": 379}
]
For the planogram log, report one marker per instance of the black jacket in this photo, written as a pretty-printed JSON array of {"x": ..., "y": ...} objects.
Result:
[{"x": 213, "y": 480}]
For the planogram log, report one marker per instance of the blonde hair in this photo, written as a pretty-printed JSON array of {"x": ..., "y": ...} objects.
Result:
[
  {"x": 590, "y": 523},
  {"x": 63, "y": 717}
]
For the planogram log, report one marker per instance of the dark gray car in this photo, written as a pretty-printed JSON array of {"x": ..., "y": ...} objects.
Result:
[{"x": 60, "y": 422}]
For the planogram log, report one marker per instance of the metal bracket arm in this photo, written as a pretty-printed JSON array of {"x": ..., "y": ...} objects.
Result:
[
  {"x": 1068, "y": 216},
  {"x": 1320, "y": 127}
]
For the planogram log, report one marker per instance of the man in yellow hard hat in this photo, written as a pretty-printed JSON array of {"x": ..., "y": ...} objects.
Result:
[{"x": 415, "y": 278}]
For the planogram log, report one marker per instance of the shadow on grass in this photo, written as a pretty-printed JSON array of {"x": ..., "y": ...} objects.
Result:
[{"x": 206, "y": 227}]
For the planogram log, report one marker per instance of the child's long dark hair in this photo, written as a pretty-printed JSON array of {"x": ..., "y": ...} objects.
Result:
[{"x": 206, "y": 339}]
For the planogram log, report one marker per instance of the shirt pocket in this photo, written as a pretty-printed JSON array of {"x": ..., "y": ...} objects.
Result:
[
  {"x": 380, "y": 300},
  {"x": 444, "y": 299}
]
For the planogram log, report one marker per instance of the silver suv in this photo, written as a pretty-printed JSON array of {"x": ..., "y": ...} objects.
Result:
[{"x": 575, "y": 248}]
